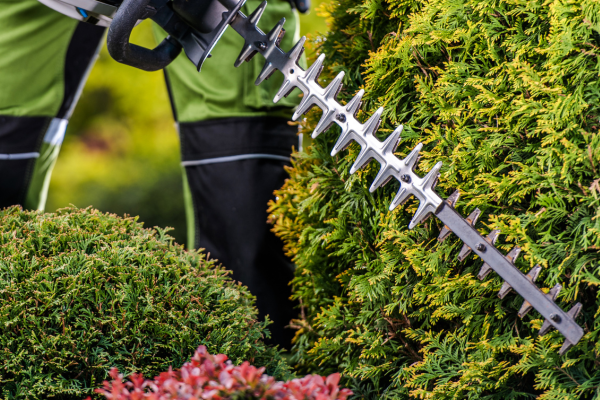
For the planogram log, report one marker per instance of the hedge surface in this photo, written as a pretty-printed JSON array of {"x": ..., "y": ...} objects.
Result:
[
  {"x": 82, "y": 291},
  {"x": 506, "y": 94}
]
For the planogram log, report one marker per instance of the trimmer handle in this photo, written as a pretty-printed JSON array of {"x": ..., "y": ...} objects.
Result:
[{"x": 124, "y": 52}]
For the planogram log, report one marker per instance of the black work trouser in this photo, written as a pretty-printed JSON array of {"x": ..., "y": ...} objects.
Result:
[{"x": 233, "y": 165}]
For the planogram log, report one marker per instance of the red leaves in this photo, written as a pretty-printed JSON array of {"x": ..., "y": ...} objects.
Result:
[{"x": 208, "y": 377}]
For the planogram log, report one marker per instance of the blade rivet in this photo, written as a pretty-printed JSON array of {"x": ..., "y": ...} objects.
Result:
[
  {"x": 262, "y": 46},
  {"x": 341, "y": 117},
  {"x": 555, "y": 317},
  {"x": 481, "y": 247},
  {"x": 292, "y": 71},
  {"x": 405, "y": 178}
]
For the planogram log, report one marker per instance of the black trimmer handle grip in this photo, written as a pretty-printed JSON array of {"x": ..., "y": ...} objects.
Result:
[{"x": 124, "y": 52}]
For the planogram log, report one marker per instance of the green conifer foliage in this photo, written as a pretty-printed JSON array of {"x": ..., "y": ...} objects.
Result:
[
  {"x": 82, "y": 292},
  {"x": 506, "y": 94}
]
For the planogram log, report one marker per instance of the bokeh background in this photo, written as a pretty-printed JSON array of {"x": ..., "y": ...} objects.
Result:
[{"x": 121, "y": 151}]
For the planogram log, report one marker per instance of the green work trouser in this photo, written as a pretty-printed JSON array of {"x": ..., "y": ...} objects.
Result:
[{"x": 234, "y": 140}]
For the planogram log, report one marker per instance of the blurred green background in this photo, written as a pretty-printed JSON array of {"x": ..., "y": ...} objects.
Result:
[{"x": 121, "y": 151}]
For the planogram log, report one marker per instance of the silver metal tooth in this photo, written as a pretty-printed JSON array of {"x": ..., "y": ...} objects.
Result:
[
  {"x": 484, "y": 271},
  {"x": 250, "y": 49},
  {"x": 532, "y": 275},
  {"x": 511, "y": 256},
  {"x": 573, "y": 313},
  {"x": 347, "y": 135},
  {"x": 426, "y": 209},
  {"x": 273, "y": 38},
  {"x": 367, "y": 151},
  {"x": 408, "y": 165},
  {"x": 472, "y": 220},
  {"x": 464, "y": 252},
  {"x": 474, "y": 216},
  {"x": 451, "y": 201},
  {"x": 296, "y": 52},
  {"x": 575, "y": 310},
  {"x": 329, "y": 116},
  {"x": 411, "y": 159},
  {"x": 401, "y": 197},
  {"x": 390, "y": 144},
  {"x": 256, "y": 14},
  {"x": 552, "y": 295},
  {"x": 276, "y": 33},
  {"x": 266, "y": 73},
  {"x": 432, "y": 176},
  {"x": 354, "y": 105},
  {"x": 291, "y": 75},
  {"x": 312, "y": 98},
  {"x": 491, "y": 238},
  {"x": 453, "y": 198},
  {"x": 565, "y": 347},
  {"x": 526, "y": 307},
  {"x": 245, "y": 55},
  {"x": 546, "y": 327},
  {"x": 343, "y": 141},
  {"x": 387, "y": 171},
  {"x": 313, "y": 72}
]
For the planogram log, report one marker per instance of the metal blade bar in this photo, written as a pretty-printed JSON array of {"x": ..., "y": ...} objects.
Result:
[
  {"x": 507, "y": 271},
  {"x": 402, "y": 170}
]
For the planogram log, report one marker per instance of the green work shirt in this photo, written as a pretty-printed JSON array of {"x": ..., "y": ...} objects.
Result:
[
  {"x": 33, "y": 46},
  {"x": 34, "y": 41}
]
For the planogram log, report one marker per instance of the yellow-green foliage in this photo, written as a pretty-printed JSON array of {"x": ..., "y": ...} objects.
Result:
[
  {"x": 82, "y": 291},
  {"x": 506, "y": 94}
]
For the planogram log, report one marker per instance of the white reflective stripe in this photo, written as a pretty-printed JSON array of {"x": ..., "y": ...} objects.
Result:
[
  {"x": 233, "y": 158},
  {"x": 18, "y": 156},
  {"x": 56, "y": 131}
]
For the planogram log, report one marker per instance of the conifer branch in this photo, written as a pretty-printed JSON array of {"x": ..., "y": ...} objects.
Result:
[{"x": 403, "y": 170}]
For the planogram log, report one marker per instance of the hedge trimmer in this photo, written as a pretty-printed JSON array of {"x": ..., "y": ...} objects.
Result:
[{"x": 197, "y": 25}]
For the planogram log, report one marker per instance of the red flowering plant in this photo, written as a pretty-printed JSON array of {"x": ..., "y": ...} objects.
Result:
[{"x": 210, "y": 377}]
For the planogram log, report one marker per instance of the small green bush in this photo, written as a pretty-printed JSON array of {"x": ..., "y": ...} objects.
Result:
[
  {"x": 506, "y": 94},
  {"x": 82, "y": 291}
]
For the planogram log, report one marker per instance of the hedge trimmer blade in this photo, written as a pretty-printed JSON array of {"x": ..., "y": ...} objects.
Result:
[{"x": 402, "y": 170}]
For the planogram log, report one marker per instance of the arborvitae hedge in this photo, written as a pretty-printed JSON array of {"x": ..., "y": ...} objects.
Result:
[
  {"x": 507, "y": 95},
  {"x": 82, "y": 291}
]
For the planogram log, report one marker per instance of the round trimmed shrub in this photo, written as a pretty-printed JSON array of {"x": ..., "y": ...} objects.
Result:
[{"x": 82, "y": 291}]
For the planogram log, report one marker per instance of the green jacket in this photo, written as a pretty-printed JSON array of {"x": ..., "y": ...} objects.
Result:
[{"x": 34, "y": 40}]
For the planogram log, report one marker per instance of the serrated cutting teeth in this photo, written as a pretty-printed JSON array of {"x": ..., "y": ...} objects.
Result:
[
  {"x": 310, "y": 99},
  {"x": 273, "y": 39},
  {"x": 296, "y": 52},
  {"x": 491, "y": 238},
  {"x": 354, "y": 105},
  {"x": 426, "y": 208},
  {"x": 511, "y": 257},
  {"x": 531, "y": 276},
  {"x": 277, "y": 32},
  {"x": 251, "y": 48},
  {"x": 403, "y": 170},
  {"x": 256, "y": 14},
  {"x": 451, "y": 201},
  {"x": 387, "y": 171},
  {"x": 329, "y": 115},
  {"x": 552, "y": 295},
  {"x": 366, "y": 135},
  {"x": 572, "y": 313},
  {"x": 472, "y": 220},
  {"x": 291, "y": 74},
  {"x": 527, "y": 306}
]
